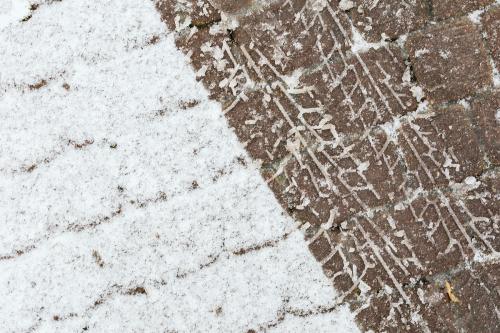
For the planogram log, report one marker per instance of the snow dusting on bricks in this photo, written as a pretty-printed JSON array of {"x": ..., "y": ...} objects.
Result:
[
  {"x": 450, "y": 60},
  {"x": 249, "y": 166},
  {"x": 443, "y": 9},
  {"x": 367, "y": 119},
  {"x": 389, "y": 18}
]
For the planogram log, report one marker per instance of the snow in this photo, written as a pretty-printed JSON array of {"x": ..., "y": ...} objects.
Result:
[
  {"x": 471, "y": 181},
  {"x": 476, "y": 16},
  {"x": 417, "y": 92},
  {"x": 118, "y": 173},
  {"x": 362, "y": 167},
  {"x": 12, "y": 11},
  {"x": 360, "y": 45},
  {"x": 346, "y": 5}
]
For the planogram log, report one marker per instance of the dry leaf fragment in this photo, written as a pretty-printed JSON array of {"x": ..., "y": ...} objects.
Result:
[{"x": 449, "y": 291}]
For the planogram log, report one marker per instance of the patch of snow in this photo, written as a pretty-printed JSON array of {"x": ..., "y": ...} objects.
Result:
[
  {"x": 391, "y": 128},
  {"x": 391, "y": 222},
  {"x": 297, "y": 46},
  {"x": 293, "y": 80},
  {"x": 318, "y": 5},
  {"x": 476, "y": 16},
  {"x": 227, "y": 22},
  {"x": 360, "y": 45},
  {"x": 464, "y": 103},
  {"x": 179, "y": 26},
  {"x": 346, "y": 5},
  {"x": 480, "y": 257},
  {"x": 418, "y": 93},
  {"x": 422, "y": 107},
  {"x": 421, "y": 52},
  {"x": 363, "y": 287},
  {"x": 362, "y": 167},
  {"x": 12, "y": 11},
  {"x": 401, "y": 40},
  {"x": 406, "y": 78},
  {"x": 109, "y": 183},
  {"x": 444, "y": 54},
  {"x": 399, "y": 206},
  {"x": 471, "y": 181}
]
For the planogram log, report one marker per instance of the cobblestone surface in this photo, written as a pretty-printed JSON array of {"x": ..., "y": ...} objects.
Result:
[{"x": 377, "y": 128}]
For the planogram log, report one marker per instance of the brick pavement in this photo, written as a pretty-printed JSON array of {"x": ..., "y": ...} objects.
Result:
[{"x": 376, "y": 124}]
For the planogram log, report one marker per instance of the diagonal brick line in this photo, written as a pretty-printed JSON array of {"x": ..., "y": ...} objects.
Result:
[{"x": 385, "y": 152}]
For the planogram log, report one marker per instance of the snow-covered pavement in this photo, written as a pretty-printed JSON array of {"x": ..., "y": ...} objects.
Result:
[{"x": 126, "y": 202}]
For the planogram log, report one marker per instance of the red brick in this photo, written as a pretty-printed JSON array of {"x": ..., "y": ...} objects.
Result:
[
  {"x": 491, "y": 24},
  {"x": 486, "y": 109},
  {"x": 440, "y": 149},
  {"x": 362, "y": 91},
  {"x": 390, "y": 17},
  {"x": 443, "y": 9},
  {"x": 477, "y": 291},
  {"x": 403, "y": 255},
  {"x": 450, "y": 61}
]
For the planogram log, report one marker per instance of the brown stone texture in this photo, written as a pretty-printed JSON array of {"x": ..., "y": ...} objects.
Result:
[
  {"x": 400, "y": 258},
  {"x": 486, "y": 109},
  {"x": 450, "y": 61},
  {"x": 477, "y": 289},
  {"x": 397, "y": 192},
  {"x": 443, "y": 9},
  {"x": 491, "y": 24},
  {"x": 390, "y": 17},
  {"x": 440, "y": 149}
]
